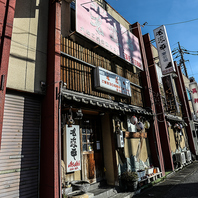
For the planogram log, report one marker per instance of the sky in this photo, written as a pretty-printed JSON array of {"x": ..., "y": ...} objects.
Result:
[{"x": 164, "y": 12}]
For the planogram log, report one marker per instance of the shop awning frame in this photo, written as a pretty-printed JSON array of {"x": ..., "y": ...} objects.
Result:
[{"x": 103, "y": 103}]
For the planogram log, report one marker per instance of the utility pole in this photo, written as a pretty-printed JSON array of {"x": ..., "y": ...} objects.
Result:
[{"x": 182, "y": 61}]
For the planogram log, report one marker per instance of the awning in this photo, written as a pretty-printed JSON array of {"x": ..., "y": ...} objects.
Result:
[
  {"x": 174, "y": 118},
  {"x": 103, "y": 103}
]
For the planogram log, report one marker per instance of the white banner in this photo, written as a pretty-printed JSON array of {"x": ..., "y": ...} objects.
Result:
[
  {"x": 111, "y": 82},
  {"x": 73, "y": 148},
  {"x": 194, "y": 96},
  {"x": 164, "y": 51}
]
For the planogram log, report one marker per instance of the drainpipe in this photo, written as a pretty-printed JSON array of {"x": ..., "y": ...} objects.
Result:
[{"x": 59, "y": 136}]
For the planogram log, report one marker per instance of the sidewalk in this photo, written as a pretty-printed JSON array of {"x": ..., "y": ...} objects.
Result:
[{"x": 162, "y": 188}]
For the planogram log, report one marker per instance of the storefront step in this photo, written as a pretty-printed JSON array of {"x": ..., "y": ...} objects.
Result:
[
  {"x": 103, "y": 192},
  {"x": 98, "y": 185},
  {"x": 123, "y": 195}
]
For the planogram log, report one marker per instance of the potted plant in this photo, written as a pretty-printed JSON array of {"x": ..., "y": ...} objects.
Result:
[{"x": 130, "y": 179}]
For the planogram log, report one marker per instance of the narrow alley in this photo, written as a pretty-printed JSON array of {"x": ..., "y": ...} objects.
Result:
[{"x": 179, "y": 184}]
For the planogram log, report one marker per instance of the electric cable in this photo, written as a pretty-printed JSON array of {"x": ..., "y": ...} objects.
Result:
[{"x": 175, "y": 23}]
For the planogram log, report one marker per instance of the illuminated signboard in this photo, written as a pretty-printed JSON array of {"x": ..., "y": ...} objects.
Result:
[
  {"x": 110, "y": 82},
  {"x": 164, "y": 51},
  {"x": 194, "y": 96},
  {"x": 93, "y": 22}
]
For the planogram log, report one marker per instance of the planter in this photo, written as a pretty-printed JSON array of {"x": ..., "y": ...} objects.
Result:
[
  {"x": 83, "y": 186},
  {"x": 141, "y": 174},
  {"x": 132, "y": 186}
]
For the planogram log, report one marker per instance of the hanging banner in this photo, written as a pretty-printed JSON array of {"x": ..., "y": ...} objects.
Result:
[
  {"x": 172, "y": 105},
  {"x": 73, "y": 148},
  {"x": 111, "y": 82},
  {"x": 194, "y": 96},
  {"x": 93, "y": 22},
  {"x": 164, "y": 51}
]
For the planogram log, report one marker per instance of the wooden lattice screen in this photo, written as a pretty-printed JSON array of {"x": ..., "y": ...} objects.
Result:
[{"x": 79, "y": 77}]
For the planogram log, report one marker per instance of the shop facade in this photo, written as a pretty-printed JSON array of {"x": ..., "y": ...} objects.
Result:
[
  {"x": 173, "y": 110},
  {"x": 102, "y": 91}
]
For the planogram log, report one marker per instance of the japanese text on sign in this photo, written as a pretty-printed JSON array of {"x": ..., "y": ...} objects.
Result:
[
  {"x": 194, "y": 96},
  {"x": 164, "y": 50},
  {"x": 73, "y": 148},
  {"x": 93, "y": 22},
  {"x": 111, "y": 82}
]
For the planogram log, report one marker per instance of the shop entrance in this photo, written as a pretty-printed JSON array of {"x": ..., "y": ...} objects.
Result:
[{"x": 91, "y": 149}]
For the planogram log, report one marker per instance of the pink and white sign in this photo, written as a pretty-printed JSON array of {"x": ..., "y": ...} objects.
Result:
[
  {"x": 194, "y": 96},
  {"x": 111, "y": 82},
  {"x": 93, "y": 22},
  {"x": 73, "y": 148}
]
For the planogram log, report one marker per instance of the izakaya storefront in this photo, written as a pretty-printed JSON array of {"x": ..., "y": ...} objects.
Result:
[
  {"x": 98, "y": 137},
  {"x": 103, "y": 92}
]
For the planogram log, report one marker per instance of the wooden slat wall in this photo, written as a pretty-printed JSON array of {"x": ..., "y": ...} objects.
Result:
[
  {"x": 79, "y": 77},
  {"x": 19, "y": 154}
]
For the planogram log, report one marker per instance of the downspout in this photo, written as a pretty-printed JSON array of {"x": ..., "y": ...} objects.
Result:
[{"x": 59, "y": 136}]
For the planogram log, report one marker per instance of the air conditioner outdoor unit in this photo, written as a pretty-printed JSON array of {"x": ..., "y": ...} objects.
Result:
[
  {"x": 188, "y": 156},
  {"x": 180, "y": 157}
]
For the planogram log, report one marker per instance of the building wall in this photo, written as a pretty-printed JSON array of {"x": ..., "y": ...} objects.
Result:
[
  {"x": 113, "y": 13},
  {"x": 174, "y": 137},
  {"x": 187, "y": 82},
  {"x": 28, "y": 54}
]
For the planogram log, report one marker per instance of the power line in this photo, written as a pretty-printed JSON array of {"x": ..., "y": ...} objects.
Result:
[{"x": 175, "y": 23}]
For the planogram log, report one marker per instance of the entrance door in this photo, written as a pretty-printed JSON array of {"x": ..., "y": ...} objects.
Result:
[{"x": 91, "y": 149}]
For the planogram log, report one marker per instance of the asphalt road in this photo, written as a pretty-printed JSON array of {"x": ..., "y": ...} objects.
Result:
[{"x": 181, "y": 184}]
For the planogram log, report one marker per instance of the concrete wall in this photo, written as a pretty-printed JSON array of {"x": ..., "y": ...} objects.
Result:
[
  {"x": 28, "y": 54},
  {"x": 131, "y": 146},
  {"x": 175, "y": 135},
  {"x": 113, "y": 13}
]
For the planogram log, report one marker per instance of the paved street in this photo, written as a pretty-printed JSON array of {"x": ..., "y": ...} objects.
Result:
[{"x": 181, "y": 184}]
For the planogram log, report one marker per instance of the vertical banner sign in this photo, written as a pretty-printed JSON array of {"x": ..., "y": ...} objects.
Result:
[
  {"x": 93, "y": 22},
  {"x": 170, "y": 94},
  {"x": 194, "y": 96},
  {"x": 164, "y": 51},
  {"x": 73, "y": 148}
]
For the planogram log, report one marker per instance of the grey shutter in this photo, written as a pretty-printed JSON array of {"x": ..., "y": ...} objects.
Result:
[{"x": 19, "y": 153}]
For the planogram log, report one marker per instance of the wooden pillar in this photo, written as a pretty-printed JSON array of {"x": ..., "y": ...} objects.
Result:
[
  {"x": 7, "y": 10},
  {"x": 50, "y": 167},
  {"x": 149, "y": 102},
  {"x": 182, "y": 91},
  {"x": 159, "y": 106}
]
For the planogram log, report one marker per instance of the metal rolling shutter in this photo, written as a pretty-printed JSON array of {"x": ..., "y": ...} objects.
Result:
[{"x": 19, "y": 153}]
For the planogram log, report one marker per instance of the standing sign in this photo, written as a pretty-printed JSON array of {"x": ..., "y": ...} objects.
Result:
[
  {"x": 111, "y": 82},
  {"x": 93, "y": 22},
  {"x": 171, "y": 101},
  {"x": 73, "y": 148},
  {"x": 194, "y": 95},
  {"x": 164, "y": 51}
]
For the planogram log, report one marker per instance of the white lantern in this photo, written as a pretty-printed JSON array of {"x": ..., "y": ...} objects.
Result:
[
  {"x": 134, "y": 120},
  {"x": 146, "y": 124},
  {"x": 140, "y": 126}
]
